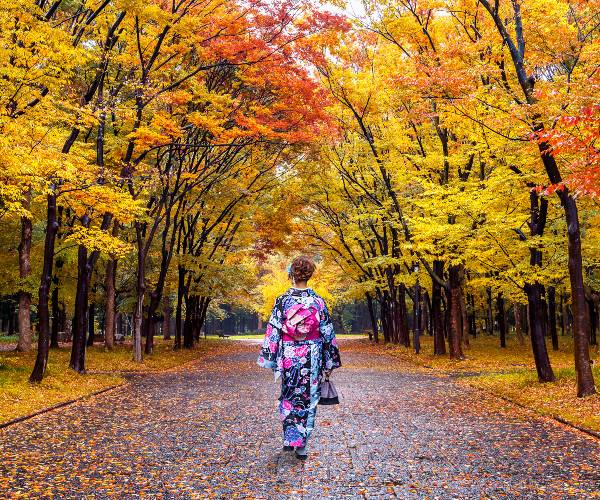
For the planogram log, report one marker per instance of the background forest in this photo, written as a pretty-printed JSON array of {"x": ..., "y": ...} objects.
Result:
[{"x": 162, "y": 162}]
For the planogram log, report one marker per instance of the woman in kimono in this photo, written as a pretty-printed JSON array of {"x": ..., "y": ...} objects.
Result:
[{"x": 300, "y": 347}]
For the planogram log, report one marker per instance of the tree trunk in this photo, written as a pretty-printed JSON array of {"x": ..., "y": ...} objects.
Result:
[
  {"x": 41, "y": 359},
  {"x": 417, "y": 318},
  {"x": 536, "y": 332},
  {"x": 166, "y": 323},
  {"x": 56, "y": 316},
  {"x": 552, "y": 317},
  {"x": 140, "y": 289},
  {"x": 439, "y": 343},
  {"x": 110, "y": 307},
  {"x": 403, "y": 316},
  {"x": 188, "y": 333},
  {"x": 91, "y": 324},
  {"x": 453, "y": 299},
  {"x": 80, "y": 324},
  {"x": 471, "y": 318},
  {"x": 501, "y": 320},
  {"x": 518, "y": 324},
  {"x": 593, "y": 322},
  {"x": 583, "y": 366},
  {"x": 464, "y": 319},
  {"x": 179, "y": 308},
  {"x": 490, "y": 313},
  {"x": 25, "y": 335},
  {"x": 372, "y": 317}
]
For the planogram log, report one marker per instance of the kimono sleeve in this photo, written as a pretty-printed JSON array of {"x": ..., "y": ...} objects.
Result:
[
  {"x": 269, "y": 352},
  {"x": 331, "y": 352}
]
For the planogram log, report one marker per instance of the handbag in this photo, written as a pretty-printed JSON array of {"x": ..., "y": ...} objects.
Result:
[{"x": 329, "y": 395}]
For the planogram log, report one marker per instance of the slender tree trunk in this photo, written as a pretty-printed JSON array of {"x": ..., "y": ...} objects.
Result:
[
  {"x": 563, "y": 315},
  {"x": 417, "y": 319},
  {"x": 372, "y": 317},
  {"x": 179, "y": 309},
  {"x": 453, "y": 298},
  {"x": 518, "y": 324},
  {"x": 25, "y": 335},
  {"x": 166, "y": 324},
  {"x": 552, "y": 317},
  {"x": 593, "y": 321},
  {"x": 501, "y": 319},
  {"x": 464, "y": 319},
  {"x": 538, "y": 341},
  {"x": 41, "y": 359},
  {"x": 403, "y": 316},
  {"x": 471, "y": 319},
  {"x": 188, "y": 334},
  {"x": 203, "y": 313},
  {"x": 56, "y": 316},
  {"x": 426, "y": 315},
  {"x": 110, "y": 307},
  {"x": 490, "y": 313},
  {"x": 91, "y": 324},
  {"x": 140, "y": 289},
  {"x": 80, "y": 324},
  {"x": 439, "y": 342}
]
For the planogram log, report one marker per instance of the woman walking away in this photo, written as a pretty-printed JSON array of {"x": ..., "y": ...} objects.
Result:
[{"x": 300, "y": 347}]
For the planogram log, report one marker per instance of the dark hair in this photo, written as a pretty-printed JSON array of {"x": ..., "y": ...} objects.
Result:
[{"x": 302, "y": 268}]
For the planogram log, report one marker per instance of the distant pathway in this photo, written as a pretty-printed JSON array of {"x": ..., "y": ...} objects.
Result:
[{"x": 212, "y": 431}]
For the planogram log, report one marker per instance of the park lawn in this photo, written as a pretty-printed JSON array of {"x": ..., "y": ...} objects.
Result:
[
  {"x": 19, "y": 398},
  {"x": 510, "y": 373},
  {"x": 252, "y": 336}
]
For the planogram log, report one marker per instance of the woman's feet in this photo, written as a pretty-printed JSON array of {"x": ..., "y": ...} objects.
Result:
[{"x": 301, "y": 453}]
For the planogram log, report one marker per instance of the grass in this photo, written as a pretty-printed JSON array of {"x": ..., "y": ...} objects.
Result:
[
  {"x": 510, "y": 373},
  {"x": 252, "y": 336},
  {"x": 8, "y": 339},
  {"x": 18, "y": 397}
]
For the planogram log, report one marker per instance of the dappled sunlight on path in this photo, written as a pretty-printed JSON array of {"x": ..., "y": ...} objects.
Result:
[{"x": 211, "y": 430}]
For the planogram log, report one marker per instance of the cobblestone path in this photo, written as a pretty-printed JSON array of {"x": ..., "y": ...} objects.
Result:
[{"x": 211, "y": 430}]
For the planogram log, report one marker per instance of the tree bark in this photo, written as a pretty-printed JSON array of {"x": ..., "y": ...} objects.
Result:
[
  {"x": 453, "y": 298},
  {"x": 536, "y": 332},
  {"x": 372, "y": 317},
  {"x": 80, "y": 324},
  {"x": 166, "y": 323},
  {"x": 501, "y": 320},
  {"x": 518, "y": 324},
  {"x": 439, "y": 342},
  {"x": 417, "y": 318},
  {"x": 41, "y": 359},
  {"x": 110, "y": 307},
  {"x": 581, "y": 324},
  {"x": 490, "y": 313},
  {"x": 56, "y": 316},
  {"x": 552, "y": 317},
  {"x": 25, "y": 335},
  {"x": 91, "y": 324}
]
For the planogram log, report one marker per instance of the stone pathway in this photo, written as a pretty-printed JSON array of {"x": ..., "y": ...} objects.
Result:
[{"x": 212, "y": 431}]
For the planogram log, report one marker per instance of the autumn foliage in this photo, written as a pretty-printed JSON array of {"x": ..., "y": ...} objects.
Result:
[{"x": 439, "y": 158}]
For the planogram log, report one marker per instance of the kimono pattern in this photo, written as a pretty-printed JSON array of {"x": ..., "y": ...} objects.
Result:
[{"x": 299, "y": 345}]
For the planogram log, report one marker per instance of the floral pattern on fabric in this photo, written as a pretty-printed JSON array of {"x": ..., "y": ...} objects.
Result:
[{"x": 299, "y": 345}]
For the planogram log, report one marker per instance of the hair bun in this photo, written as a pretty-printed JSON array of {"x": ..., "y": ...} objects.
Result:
[{"x": 302, "y": 268}]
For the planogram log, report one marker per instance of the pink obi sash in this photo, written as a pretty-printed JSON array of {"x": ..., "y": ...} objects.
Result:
[{"x": 301, "y": 323}]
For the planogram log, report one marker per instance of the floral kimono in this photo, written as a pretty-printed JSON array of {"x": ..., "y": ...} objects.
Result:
[{"x": 299, "y": 345}]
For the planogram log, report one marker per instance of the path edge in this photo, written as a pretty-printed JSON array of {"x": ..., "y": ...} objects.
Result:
[
  {"x": 125, "y": 373},
  {"x": 585, "y": 430},
  {"x": 62, "y": 404}
]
